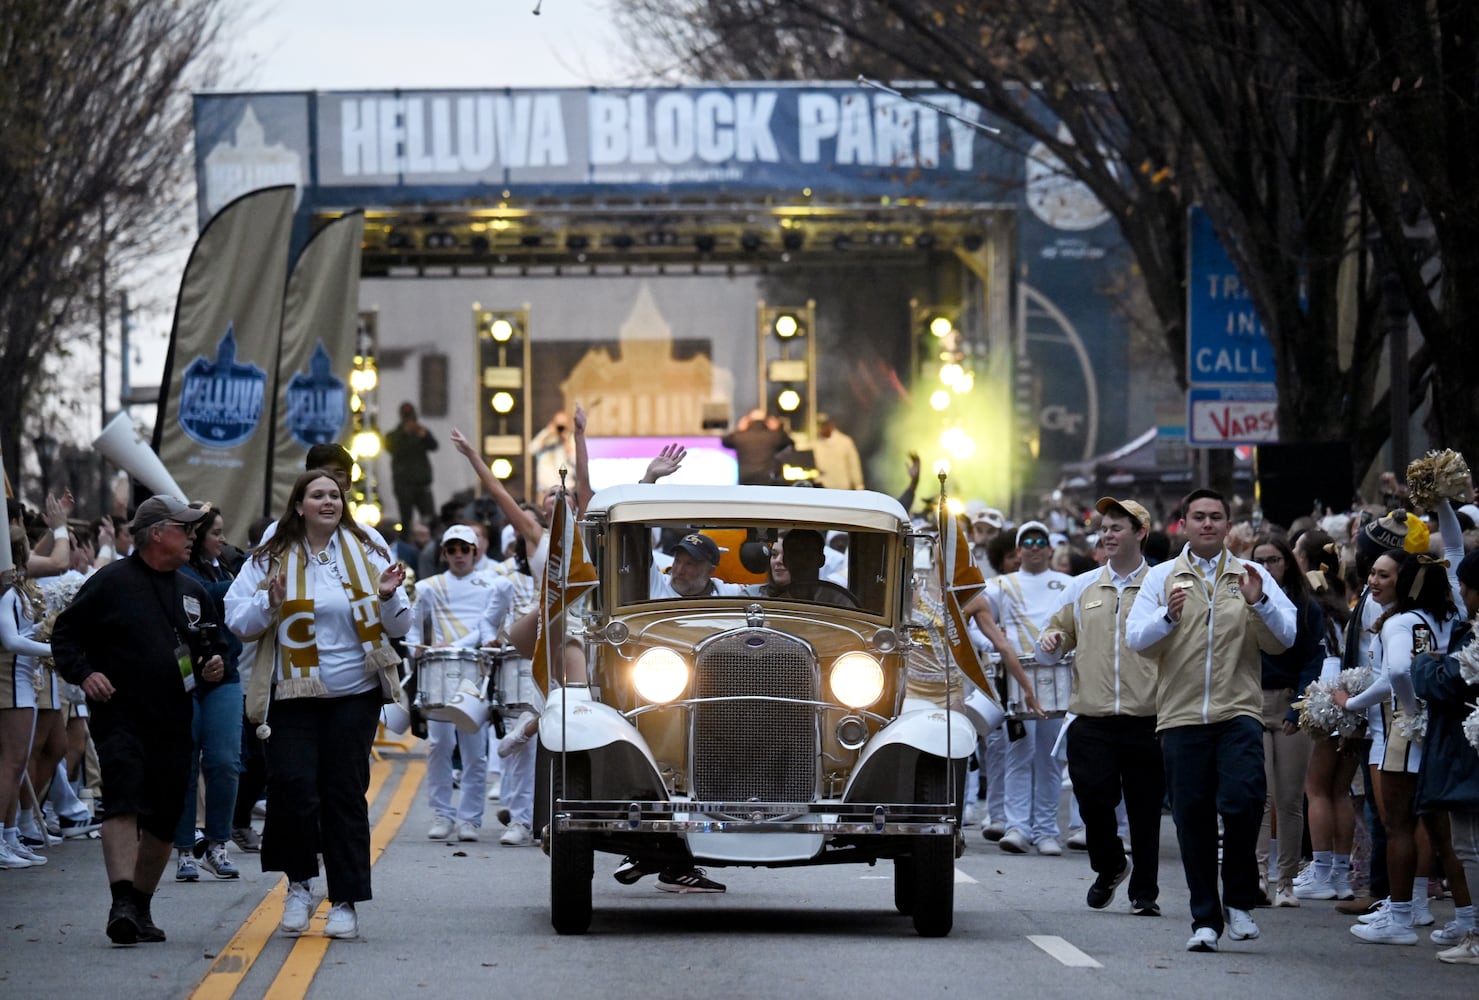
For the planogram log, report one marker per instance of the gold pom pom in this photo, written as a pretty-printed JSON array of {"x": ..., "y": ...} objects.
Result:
[{"x": 1439, "y": 476}]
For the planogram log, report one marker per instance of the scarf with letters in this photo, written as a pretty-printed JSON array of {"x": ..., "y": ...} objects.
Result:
[{"x": 298, "y": 669}]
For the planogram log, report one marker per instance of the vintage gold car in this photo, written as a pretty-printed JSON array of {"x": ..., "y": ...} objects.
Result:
[{"x": 751, "y": 729}]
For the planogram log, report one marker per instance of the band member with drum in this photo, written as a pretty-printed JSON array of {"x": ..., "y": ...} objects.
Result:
[
  {"x": 448, "y": 611},
  {"x": 1112, "y": 748},
  {"x": 1033, "y": 781},
  {"x": 322, "y": 600}
]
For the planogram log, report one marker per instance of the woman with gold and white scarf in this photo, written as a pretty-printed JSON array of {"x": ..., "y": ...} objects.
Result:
[{"x": 323, "y": 601}]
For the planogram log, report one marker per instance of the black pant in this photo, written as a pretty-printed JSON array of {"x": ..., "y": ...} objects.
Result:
[
  {"x": 412, "y": 498},
  {"x": 1213, "y": 770},
  {"x": 252, "y": 781},
  {"x": 319, "y": 770},
  {"x": 1116, "y": 756}
]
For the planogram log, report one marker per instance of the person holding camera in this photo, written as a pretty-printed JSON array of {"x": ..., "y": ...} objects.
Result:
[
  {"x": 217, "y": 721},
  {"x": 126, "y": 641}
]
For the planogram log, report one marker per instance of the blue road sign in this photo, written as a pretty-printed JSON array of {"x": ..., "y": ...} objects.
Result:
[{"x": 1226, "y": 343}]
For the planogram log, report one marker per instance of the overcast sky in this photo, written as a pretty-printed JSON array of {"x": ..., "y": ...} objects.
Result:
[{"x": 382, "y": 44}]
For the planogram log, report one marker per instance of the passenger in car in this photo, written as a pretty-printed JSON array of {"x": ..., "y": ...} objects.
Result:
[{"x": 803, "y": 558}]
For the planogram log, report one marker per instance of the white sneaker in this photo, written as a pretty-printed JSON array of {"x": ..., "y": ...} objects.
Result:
[
  {"x": 495, "y": 786},
  {"x": 1078, "y": 840},
  {"x": 1451, "y": 933},
  {"x": 994, "y": 831},
  {"x": 1013, "y": 842},
  {"x": 1466, "y": 952},
  {"x": 1240, "y": 925},
  {"x": 1386, "y": 931},
  {"x": 297, "y": 908},
  {"x": 1422, "y": 915},
  {"x": 342, "y": 922},
  {"x": 971, "y": 816},
  {"x": 1314, "y": 887},
  {"x": 1202, "y": 939},
  {"x": 441, "y": 828},
  {"x": 9, "y": 859},
  {"x": 1380, "y": 913},
  {"x": 1049, "y": 847},
  {"x": 22, "y": 851},
  {"x": 516, "y": 738},
  {"x": 1340, "y": 881},
  {"x": 1284, "y": 895},
  {"x": 517, "y": 835},
  {"x": 467, "y": 831}
]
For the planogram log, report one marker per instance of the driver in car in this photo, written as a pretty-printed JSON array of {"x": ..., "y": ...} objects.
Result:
[{"x": 802, "y": 552}]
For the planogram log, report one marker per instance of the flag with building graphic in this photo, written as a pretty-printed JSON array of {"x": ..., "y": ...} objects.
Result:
[{"x": 212, "y": 428}]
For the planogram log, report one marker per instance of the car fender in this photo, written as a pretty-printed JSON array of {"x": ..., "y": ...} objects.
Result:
[
  {"x": 578, "y": 724},
  {"x": 885, "y": 768}
]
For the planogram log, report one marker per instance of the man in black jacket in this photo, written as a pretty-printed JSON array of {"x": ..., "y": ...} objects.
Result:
[{"x": 136, "y": 639}]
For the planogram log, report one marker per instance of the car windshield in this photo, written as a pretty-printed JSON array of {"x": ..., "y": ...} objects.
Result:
[{"x": 802, "y": 563}]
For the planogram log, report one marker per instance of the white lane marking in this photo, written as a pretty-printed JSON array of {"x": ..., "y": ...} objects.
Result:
[
  {"x": 961, "y": 878},
  {"x": 1064, "y": 952}
]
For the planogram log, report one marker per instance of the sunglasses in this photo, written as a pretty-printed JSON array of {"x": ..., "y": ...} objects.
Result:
[
  {"x": 457, "y": 548},
  {"x": 1034, "y": 543}
]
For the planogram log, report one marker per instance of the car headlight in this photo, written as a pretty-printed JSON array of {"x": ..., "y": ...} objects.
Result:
[
  {"x": 660, "y": 675},
  {"x": 857, "y": 679}
]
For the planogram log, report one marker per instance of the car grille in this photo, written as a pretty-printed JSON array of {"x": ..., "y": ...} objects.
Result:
[{"x": 755, "y": 749}]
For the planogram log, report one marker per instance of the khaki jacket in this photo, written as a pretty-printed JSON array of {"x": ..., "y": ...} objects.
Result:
[
  {"x": 1109, "y": 678},
  {"x": 1210, "y": 669}
]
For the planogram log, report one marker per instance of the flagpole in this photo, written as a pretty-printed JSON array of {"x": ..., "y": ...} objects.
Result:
[{"x": 940, "y": 516}]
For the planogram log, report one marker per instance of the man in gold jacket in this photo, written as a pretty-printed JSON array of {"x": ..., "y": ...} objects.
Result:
[
  {"x": 1112, "y": 747},
  {"x": 1204, "y": 617}
]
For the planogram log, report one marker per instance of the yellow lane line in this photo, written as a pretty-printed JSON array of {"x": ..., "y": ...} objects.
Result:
[
  {"x": 308, "y": 952},
  {"x": 235, "y": 960}
]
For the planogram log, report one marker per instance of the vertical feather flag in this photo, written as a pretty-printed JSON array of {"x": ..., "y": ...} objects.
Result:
[
  {"x": 319, "y": 313},
  {"x": 960, "y": 581},
  {"x": 212, "y": 429},
  {"x": 568, "y": 575}
]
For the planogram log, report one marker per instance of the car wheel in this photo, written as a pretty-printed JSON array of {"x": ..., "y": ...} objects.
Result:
[
  {"x": 572, "y": 856},
  {"x": 933, "y": 863}
]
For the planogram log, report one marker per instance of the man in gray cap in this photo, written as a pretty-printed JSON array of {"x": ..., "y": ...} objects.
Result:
[
  {"x": 692, "y": 574},
  {"x": 136, "y": 639}
]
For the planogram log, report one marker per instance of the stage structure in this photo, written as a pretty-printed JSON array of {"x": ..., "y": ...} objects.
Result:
[{"x": 638, "y": 248}]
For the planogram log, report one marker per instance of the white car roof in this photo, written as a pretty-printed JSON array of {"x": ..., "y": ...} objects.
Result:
[{"x": 839, "y": 508}]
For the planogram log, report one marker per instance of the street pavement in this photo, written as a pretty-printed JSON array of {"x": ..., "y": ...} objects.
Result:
[{"x": 467, "y": 920}]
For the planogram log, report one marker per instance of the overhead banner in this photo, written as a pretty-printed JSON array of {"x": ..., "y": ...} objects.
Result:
[
  {"x": 212, "y": 430},
  {"x": 319, "y": 318}
]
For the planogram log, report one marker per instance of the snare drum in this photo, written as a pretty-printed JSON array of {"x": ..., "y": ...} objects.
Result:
[
  {"x": 440, "y": 674},
  {"x": 1053, "y": 683},
  {"x": 517, "y": 692}
]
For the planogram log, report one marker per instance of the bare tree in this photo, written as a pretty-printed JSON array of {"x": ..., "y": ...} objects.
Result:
[
  {"x": 1155, "y": 106},
  {"x": 96, "y": 117}
]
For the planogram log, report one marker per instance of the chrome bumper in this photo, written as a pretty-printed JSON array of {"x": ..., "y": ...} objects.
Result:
[{"x": 837, "y": 818}]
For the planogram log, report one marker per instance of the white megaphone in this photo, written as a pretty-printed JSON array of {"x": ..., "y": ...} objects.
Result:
[{"x": 121, "y": 444}]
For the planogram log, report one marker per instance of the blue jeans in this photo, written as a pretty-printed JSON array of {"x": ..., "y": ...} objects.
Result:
[
  {"x": 217, "y": 754},
  {"x": 1217, "y": 770}
]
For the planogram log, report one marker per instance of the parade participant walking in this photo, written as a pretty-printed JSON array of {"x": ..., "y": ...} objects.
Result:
[
  {"x": 449, "y": 612},
  {"x": 322, "y": 600},
  {"x": 217, "y": 725},
  {"x": 408, "y": 445},
  {"x": 22, "y": 609},
  {"x": 1112, "y": 747},
  {"x": 133, "y": 640},
  {"x": 1286, "y": 751},
  {"x": 1033, "y": 777},
  {"x": 1204, "y": 617}
]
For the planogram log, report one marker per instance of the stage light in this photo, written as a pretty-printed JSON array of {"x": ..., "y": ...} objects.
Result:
[
  {"x": 503, "y": 402},
  {"x": 367, "y": 513},
  {"x": 940, "y": 326},
  {"x": 951, "y": 374},
  {"x": 964, "y": 384},
  {"x": 356, "y": 473},
  {"x": 501, "y": 330},
  {"x": 365, "y": 444},
  {"x": 788, "y": 400},
  {"x": 363, "y": 379},
  {"x": 501, "y": 468},
  {"x": 786, "y": 325},
  {"x": 957, "y": 443},
  {"x": 940, "y": 399},
  {"x": 954, "y": 505}
]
